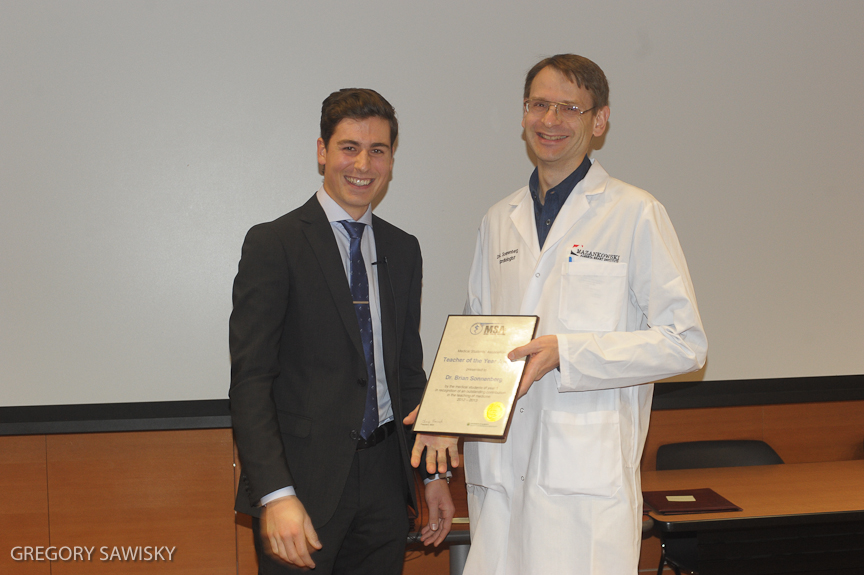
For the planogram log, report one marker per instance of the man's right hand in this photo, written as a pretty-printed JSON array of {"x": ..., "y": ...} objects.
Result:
[
  {"x": 542, "y": 353},
  {"x": 437, "y": 447},
  {"x": 287, "y": 528}
]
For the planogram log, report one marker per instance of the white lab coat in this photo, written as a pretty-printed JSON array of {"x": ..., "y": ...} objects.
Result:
[{"x": 562, "y": 495}]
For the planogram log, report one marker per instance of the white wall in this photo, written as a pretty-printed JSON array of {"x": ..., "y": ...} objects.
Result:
[{"x": 139, "y": 140}]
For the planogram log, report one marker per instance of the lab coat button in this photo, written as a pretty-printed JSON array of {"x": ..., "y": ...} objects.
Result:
[
  {"x": 536, "y": 275},
  {"x": 521, "y": 410},
  {"x": 523, "y": 478}
]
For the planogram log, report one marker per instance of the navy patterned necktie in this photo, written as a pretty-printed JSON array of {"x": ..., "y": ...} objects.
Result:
[{"x": 360, "y": 294}]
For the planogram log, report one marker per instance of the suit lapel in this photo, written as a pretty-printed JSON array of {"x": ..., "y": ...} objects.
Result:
[{"x": 319, "y": 233}]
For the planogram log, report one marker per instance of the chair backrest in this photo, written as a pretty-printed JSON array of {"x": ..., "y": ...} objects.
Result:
[{"x": 723, "y": 453}]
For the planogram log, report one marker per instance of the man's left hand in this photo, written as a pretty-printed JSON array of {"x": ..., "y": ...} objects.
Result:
[
  {"x": 542, "y": 353},
  {"x": 441, "y": 511},
  {"x": 437, "y": 447}
]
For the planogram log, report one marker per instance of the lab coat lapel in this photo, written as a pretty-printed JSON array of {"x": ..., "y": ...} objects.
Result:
[
  {"x": 576, "y": 205},
  {"x": 522, "y": 217}
]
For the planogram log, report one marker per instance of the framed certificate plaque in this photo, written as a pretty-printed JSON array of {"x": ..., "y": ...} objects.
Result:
[{"x": 472, "y": 385}]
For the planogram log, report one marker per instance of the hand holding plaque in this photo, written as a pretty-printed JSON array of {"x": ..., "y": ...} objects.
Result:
[{"x": 472, "y": 386}]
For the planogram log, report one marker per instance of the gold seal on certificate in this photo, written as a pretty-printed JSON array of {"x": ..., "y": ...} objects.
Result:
[{"x": 472, "y": 385}]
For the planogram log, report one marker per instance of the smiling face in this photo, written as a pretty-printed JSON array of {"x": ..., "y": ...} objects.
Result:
[
  {"x": 560, "y": 145},
  {"x": 357, "y": 162}
]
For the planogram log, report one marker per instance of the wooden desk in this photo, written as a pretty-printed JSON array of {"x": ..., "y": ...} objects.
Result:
[{"x": 796, "y": 518}]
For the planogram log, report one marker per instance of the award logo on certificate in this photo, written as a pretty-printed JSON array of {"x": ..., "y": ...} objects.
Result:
[{"x": 473, "y": 385}]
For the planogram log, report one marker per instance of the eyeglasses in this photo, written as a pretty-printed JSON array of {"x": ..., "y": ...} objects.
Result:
[{"x": 563, "y": 110}]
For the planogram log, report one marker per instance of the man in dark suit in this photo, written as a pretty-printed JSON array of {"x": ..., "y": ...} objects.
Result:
[{"x": 327, "y": 361}]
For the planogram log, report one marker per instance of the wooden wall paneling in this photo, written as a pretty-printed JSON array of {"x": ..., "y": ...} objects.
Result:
[
  {"x": 675, "y": 425},
  {"x": 23, "y": 502},
  {"x": 156, "y": 488},
  {"x": 174, "y": 488},
  {"x": 247, "y": 560},
  {"x": 810, "y": 432}
]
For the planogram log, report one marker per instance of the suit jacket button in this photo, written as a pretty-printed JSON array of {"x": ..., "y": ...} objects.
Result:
[
  {"x": 361, "y": 382},
  {"x": 354, "y": 435}
]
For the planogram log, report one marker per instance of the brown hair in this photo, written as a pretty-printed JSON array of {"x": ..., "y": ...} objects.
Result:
[
  {"x": 357, "y": 104},
  {"x": 585, "y": 73}
]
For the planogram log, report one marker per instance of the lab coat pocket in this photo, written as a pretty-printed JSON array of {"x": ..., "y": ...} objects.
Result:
[
  {"x": 580, "y": 453},
  {"x": 592, "y": 293}
]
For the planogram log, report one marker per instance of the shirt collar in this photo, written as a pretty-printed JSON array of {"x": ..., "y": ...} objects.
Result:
[
  {"x": 335, "y": 212},
  {"x": 563, "y": 189}
]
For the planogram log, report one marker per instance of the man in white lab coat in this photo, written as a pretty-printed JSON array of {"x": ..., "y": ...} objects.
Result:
[{"x": 599, "y": 262}]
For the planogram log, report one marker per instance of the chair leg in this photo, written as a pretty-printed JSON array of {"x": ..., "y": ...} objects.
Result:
[{"x": 663, "y": 561}]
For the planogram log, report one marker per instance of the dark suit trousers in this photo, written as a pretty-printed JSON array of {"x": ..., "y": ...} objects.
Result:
[{"x": 367, "y": 534}]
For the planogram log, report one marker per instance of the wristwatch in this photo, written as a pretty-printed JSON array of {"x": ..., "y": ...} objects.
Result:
[{"x": 445, "y": 476}]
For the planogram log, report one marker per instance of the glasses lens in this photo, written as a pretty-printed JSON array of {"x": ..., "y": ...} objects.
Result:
[
  {"x": 538, "y": 107},
  {"x": 569, "y": 111}
]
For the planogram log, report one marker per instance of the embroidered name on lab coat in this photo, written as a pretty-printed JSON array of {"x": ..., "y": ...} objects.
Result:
[
  {"x": 508, "y": 256},
  {"x": 579, "y": 252}
]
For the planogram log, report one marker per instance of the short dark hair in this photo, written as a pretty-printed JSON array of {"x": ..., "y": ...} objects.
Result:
[
  {"x": 585, "y": 73},
  {"x": 357, "y": 104}
]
